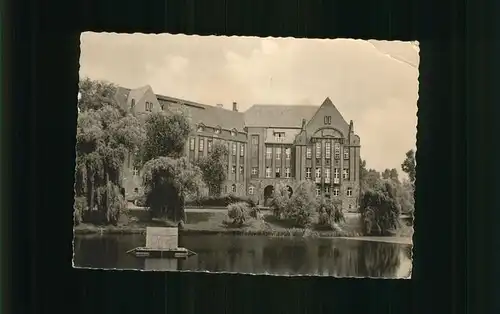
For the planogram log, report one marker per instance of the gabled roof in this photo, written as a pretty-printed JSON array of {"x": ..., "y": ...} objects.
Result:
[
  {"x": 122, "y": 96},
  {"x": 210, "y": 116},
  {"x": 286, "y": 116},
  {"x": 337, "y": 120}
]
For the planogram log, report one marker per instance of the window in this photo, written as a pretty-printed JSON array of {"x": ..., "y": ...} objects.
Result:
[
  {"x": 279, "y": 136},
  {"x": 345, "y": 174},
  {"x": 318, "y": 191},
  {"x": 191, "y": 144},
  {"x": 132, "y": 105},
  {"x": 278, "y": 153},
  {"x": 241, "y": 169},
  {"x": 233, "y": 188},
  {"x": 328, "y": 150},
  {"x": 336, "y": 173},
  {"x": 308, "y": 153},
  {"x": 135, "y": 171},
  {"x": 269, "y": 152},
  {"x": 327, "y": 173},
  {"x": 278, "y": 172},
  {"x": 308, "y": 173},
  {"x": 268, "y": 172},
  {"x": 350, "y": 206},
  {"x": 250, "y": 190},
  {"x": 346, "y": 153},
  {"x": 233, "y": 169},
  {"x": 336, "y": 192},
  {"x": 318, "y": 172},
  {"x": 328, "y": 119},
  {"x": 201, "y": 144},
  {"x": 209, "y": 146},
  {"x": 234, "y": 149},
  {"x": 242, "y": 150},
  {"x": 327, "y": 162},
  {"x": 287, "y": 173},
  {"x": 288, "y": 152},
  {"x": 225, "y": 189},
  {"x": 337, "y": 150},
  {"x": 233, "y": 133},
  {"x": 162, "y": 106},
  {"x": 254, "y": 171},
  {"x": 149, "y": 106},
  {"x": 200, "y": 128},
  {"x": 255, "y": 140},
  {"x": 318, "y": 150},
  {"x": 327, "y": 189},
  {"x": 349, "y": 192},
  {"x": 217, "y": 131}
]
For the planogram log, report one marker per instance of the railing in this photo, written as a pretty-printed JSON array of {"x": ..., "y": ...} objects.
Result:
[
  {"x": 336, "y": 181},
  {"x": 327, "y": 180},
  {"x": 318, "y": 180}
]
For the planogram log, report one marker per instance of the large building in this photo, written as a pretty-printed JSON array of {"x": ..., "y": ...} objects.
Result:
[{"x": 267, "y": 144}]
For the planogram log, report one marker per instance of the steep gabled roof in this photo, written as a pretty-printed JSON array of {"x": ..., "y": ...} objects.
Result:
[
  {"x": 122, "y": 96},
  {"x": 286, "y": 116},
  {"x": 210, "y": 116},
  {"x": 337, "y": 119}
]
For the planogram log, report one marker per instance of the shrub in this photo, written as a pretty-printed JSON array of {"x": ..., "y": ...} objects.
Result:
[
  {"x": 220, "y": 201},
  {"x": 302, "y": 205},
  {"x": 238, "y": 212},
  {"x": 280, "y": 201},
  {"x": 379, "y": 209},
  {"x": 79, "y": 207},
  {"x": 330, "y": 213}
]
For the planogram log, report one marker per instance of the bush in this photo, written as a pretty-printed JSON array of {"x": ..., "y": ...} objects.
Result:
[
  {"x": 302, "y": 205},
  {"x": 221, "y": 201},
  {"x": 379, "y": 209},
  {"x": 330, "y": 213},
  {"x": 238, "y": 212},
  {"x": 79, "y": 207},
  {"x": 280, "y": 201}
]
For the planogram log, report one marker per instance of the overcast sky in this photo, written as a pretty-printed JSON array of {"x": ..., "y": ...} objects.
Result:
[{"x": 373, "y": 83}]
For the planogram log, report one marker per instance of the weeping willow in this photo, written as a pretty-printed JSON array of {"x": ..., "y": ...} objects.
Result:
[{"x": 104, "y": 137}]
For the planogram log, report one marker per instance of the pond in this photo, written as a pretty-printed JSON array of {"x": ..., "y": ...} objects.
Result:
[{"x": 253, "y": 254}]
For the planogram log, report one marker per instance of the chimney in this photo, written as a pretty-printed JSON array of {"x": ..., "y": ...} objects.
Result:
[
  {"x": 351, "y": 126},
  {"x": 235, "y": 106},
  {"x": 220, "y": 106},
  {"x": 303, "y": 124}
]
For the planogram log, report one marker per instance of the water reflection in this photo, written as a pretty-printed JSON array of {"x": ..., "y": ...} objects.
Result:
[{"x": 251, "y": 254}]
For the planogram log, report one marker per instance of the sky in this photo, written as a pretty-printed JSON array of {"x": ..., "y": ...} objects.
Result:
[{"x": 373, "y": 83}]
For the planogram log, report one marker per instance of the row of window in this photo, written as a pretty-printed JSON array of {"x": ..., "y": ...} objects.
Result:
[
  {"x": 345, "y": 173},
  {"x": 336, "y": 149},
  {"x": 269, "y": 153},
  {"x": 201, "y": 146},
  {"x": 201, "y": 128},
  {"x": 335, "y": 191}
]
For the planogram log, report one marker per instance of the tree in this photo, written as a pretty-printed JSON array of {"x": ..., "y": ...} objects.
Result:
[
  {"x": 214, "y": 168},
  {"x": 302, "y": 204},
  {"x": 167, "y": 181},
  {"x": 104, "y": 137},
  {"x": 391, "y": 174},
  {"x": 372, "y": 177},
  {"x": 167, "y": 176},
  {"x": 167, "y": 133},
  {"x": 280, "y": 201},
  {"x": 380, "y": 209},
  {"x": 409, "y": 165},
  {"x": 362, "y": 169},
  {"x": 96, "y": 94}
]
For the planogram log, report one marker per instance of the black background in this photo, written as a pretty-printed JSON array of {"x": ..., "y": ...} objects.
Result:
[{"x": 457, "y": 205}]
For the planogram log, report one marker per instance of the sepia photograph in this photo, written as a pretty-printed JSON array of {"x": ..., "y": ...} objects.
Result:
[{"x": 264, "y": 156}]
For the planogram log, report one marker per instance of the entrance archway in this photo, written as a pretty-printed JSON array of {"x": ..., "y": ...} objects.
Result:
[{"x": 268, "y": 194}]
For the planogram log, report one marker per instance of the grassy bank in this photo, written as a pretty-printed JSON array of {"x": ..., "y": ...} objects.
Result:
[{"x": 216, "y": 223}]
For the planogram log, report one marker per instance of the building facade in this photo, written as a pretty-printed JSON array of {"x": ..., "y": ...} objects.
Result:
[{"x": 267, "y": 144}]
